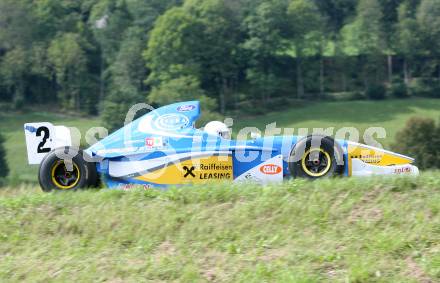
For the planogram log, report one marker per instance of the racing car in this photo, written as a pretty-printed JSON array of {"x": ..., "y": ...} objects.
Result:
[{"x": 164, "y": 148}]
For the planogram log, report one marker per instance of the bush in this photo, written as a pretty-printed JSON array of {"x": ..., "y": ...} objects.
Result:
[
  {"x": 425, "y": 87},
  {"x": 4, "y": 170},
  {"x": 18, "y": 102},
  {"x": 356, "y": 95},
  {"x": 398, "y": 89},
  {"x": 251, "y": 107},
  {"x": 420, "y": 139},
  {"x": 376, "y": 92}
]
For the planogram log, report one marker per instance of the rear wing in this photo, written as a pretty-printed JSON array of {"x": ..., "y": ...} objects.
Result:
[{"x": 42, "y": 138}]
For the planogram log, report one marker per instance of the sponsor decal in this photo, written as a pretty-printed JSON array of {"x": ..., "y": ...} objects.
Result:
[
  {"x": 171, "y": 122},
  {"x": 208, "y": 176},
  {"x": 270, "y": 169},
  {"x": 30, "y": 129},
  {"x": 139, "y": 142},
  {"x": 155, "y": 143},
  {"x": 129, "y": 187},
  {"x": 186, "y": 108},
  {"x": 195, "y": 171},
  {"x": 369, "y": 158},
  {"x": 207, "y": 170},
  {"x": 251, "y": 177},
  {"x": 117, "y": 150},
  {"x": 189, "y": 171},
  {"x": 403, "y": 170}
]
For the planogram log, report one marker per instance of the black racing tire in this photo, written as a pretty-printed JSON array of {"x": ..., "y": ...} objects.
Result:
[
  {"x": 54, "y": 174},
  {"x": 316, "y": 157}
]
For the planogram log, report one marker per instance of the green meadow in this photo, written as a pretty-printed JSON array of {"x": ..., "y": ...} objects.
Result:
[{"x": 389, "y": 114}]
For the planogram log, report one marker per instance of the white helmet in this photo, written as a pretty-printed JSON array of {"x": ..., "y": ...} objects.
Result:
[{"x": 218, "y": 129}]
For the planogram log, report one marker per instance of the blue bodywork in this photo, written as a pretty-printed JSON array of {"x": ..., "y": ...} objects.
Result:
[{"x": 170, "y": 130}]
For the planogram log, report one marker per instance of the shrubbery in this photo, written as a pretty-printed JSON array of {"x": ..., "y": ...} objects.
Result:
[
  {"x": 4, "y": 170},
  {"x": 398, "y": 89},
  {"x": 420, "y": 139},
  {"x": 425, "y": 87},
  {"x": 376, "y": 91}
]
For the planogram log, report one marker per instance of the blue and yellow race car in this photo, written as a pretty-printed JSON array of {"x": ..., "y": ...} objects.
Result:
[{"x": 163, "y": 148}]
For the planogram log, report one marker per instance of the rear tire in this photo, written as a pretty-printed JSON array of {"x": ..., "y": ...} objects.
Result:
[
  {"x": 312, "y": 159},
  {"x": 54, "y": 173}
]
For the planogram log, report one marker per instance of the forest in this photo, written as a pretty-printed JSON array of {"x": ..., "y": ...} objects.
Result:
[{"x": 99, "y": 57}]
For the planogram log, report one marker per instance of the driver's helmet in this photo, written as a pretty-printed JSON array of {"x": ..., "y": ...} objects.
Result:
[{"x": 218, "y": 129}]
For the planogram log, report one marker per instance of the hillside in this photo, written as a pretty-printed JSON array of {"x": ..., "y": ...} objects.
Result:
[
  {"x": 390, "y": 114},
  {"x": 346, "y": 230}
]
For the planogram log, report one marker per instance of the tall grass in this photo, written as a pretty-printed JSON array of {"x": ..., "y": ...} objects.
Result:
[{"x": 356, "y": 230}]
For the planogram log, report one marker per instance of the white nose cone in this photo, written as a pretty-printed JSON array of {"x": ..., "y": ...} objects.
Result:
[{"x": 415, "y": 171}]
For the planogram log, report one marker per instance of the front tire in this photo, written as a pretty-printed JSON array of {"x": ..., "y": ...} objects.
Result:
[
  {"x": 316, "y": 157},
  {"x": 57, "y": 173}
]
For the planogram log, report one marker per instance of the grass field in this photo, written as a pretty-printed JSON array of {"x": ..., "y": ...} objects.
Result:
[
  {"x": 347, "y": 230},
  {"x": 390, "y": 114}
]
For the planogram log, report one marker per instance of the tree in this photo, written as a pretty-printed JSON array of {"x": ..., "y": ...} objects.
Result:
[
  {"x": 181, "y": 89},
  {"x": 306, "y": 31},
  {"x": 127, "y": 74},
  {"x": 16, "y": 22},
  {"x": 364, "y": 37},
  {"x": 408, "y": 38},
  {"x": 69, "y": 63},
  {"x": 4, "y": 170},
  {"x": 428, "y": 17},
  {"x": 264, "y": 28},
  {"x": 337, "y": 12},
  {"x": 389, "y": 26},
  {"x": 195, "y": 40},
  {"x": 172, "y": 42},
  {"x": 125, "y": 67},
  {"x": 16, "y": 36},
  {"x": 14, "y": 68},
  {"x": 220, "y": 20},
  {"x": 110, "y": 19}
]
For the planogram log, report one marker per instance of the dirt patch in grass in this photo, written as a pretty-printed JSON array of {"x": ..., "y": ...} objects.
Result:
[
  {"x": 416, "y": 272},
  {"x": 212, "y": 266},
  {"x": 362, "y": 211}
]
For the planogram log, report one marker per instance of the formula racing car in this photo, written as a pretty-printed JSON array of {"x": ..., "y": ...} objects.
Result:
[{"x": 163, "y": 148}]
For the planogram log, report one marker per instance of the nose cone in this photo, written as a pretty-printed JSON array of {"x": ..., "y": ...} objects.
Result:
[{"x": 415, "y": 171}]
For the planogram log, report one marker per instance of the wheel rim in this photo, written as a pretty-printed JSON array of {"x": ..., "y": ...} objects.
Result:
[
  {"x": 64, "y": 179},
  {"x": 318, "y": 166}
]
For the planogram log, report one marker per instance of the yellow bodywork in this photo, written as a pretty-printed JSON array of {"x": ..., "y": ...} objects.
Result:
[
  {"x": 374, "y": 156},
  {"x": 193, "y": 171}
]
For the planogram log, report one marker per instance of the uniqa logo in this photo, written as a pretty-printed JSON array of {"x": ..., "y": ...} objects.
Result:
[
  {"x": 186, "y": 108},
  {"x": 270, "y": 169},
  {"x": 172, "y": 122}
]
